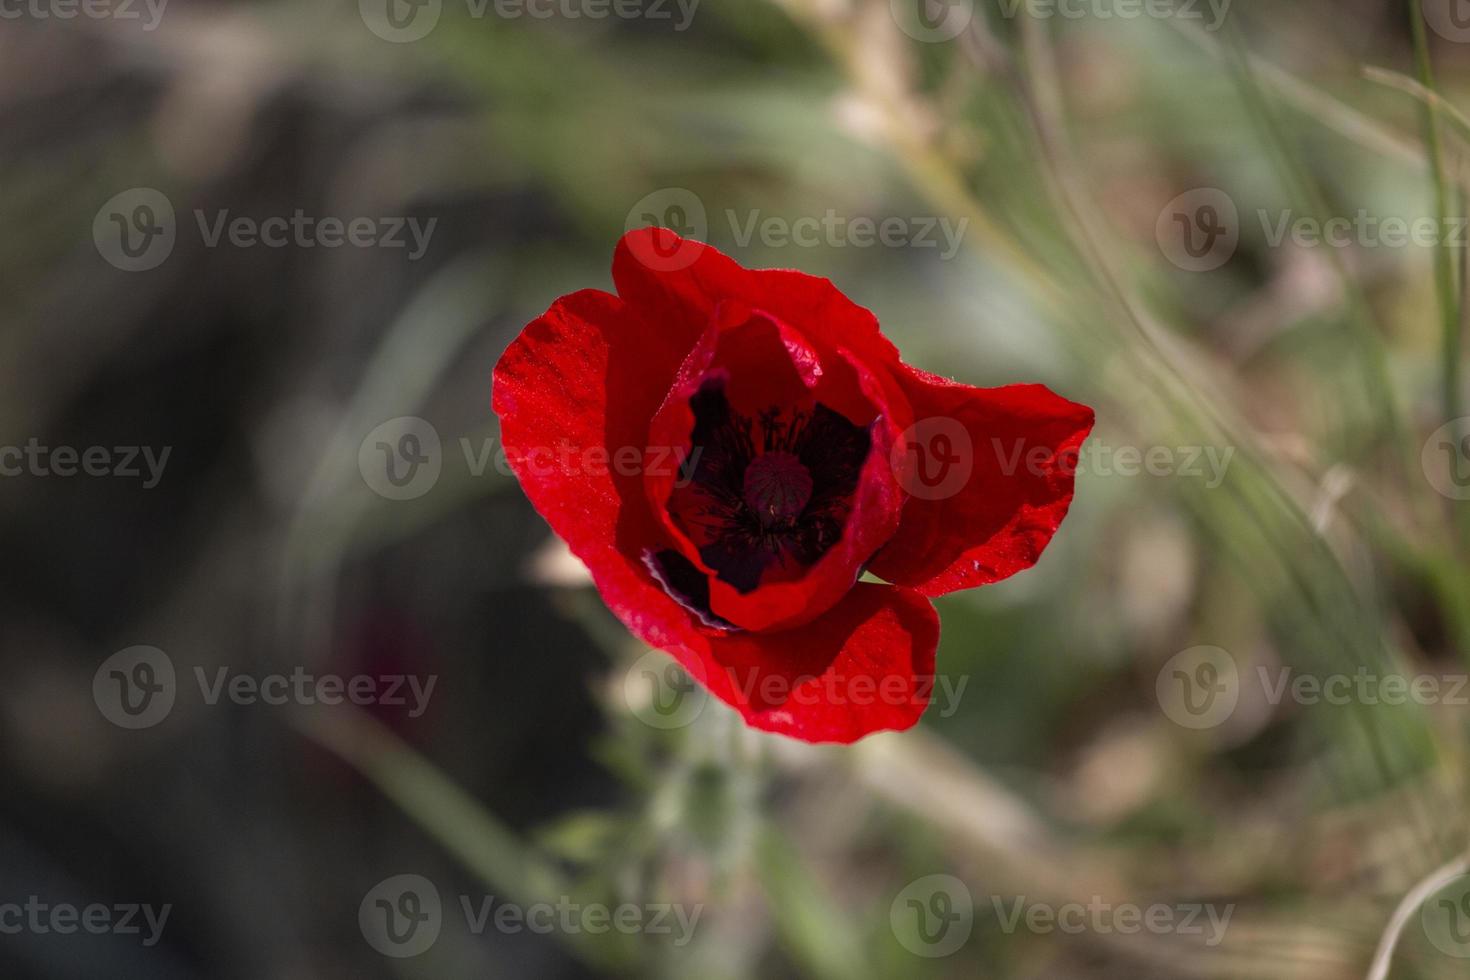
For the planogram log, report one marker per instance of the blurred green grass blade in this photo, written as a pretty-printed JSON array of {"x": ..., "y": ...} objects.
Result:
[
  {"x": 482, "y": 844},
  {"x": 1397, "y": 80},
  {"x": 449, "y": 814},
  {"x": 1447, "y": 292},
  {"x": 821, "y": 939},
  {"x": 1297, "y": 177},
  {"x": 1444, "y": 264}
]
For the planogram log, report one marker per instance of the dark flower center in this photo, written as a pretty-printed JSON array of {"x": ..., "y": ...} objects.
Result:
[
  {"x": 764, "y": 498},
  {"x": 777, "y": 488}
]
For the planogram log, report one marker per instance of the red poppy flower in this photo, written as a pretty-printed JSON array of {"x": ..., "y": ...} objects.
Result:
[{"x": 729, "y": 449}]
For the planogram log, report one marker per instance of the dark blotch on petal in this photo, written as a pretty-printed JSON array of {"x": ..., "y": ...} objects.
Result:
[
  {"x": 770, "y": 491},
  {"x": 685, "y": 584}
]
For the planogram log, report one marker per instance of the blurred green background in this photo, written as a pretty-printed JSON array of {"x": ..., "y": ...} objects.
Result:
[{"x": 1130, "y": 201}]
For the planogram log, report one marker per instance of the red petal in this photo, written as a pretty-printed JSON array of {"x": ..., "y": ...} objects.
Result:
[
  {"x": 990, "y": 510},
  {"x": 681, "y": 297},
  {"x": 582, "y": 380},
  {"x": 865, "y": 666}
]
